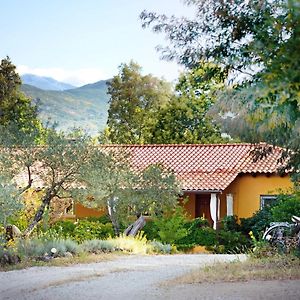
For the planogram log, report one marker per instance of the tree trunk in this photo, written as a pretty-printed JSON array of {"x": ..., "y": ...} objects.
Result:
[
  {"x": 39, "y": 214},
  {"x": 134, "y": 228},
  {"x": 113, "y": 217}
]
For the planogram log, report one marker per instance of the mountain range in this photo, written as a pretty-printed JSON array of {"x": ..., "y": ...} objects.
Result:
[{"x": 85, "y": 107}]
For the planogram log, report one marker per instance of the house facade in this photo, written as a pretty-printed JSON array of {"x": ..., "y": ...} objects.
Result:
[{"x": 217, "y": 179}]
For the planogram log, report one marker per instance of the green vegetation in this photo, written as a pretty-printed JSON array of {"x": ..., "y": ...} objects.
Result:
[
  {"x": 184, "y": 119},
  {"x": 257, "y": 43},
  {"x": 134, "y": 102}
]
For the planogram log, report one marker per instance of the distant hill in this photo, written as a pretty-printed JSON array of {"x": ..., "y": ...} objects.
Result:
[
  {"x": 45, "y": 83},
  {"x": 85, "y": 107}
]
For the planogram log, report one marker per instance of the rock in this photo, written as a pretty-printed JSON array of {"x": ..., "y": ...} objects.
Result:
[{"x": 68, "y": 254}]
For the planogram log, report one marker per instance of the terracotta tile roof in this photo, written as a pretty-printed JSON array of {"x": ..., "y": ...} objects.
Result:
[{"x": 202, "y": 167}]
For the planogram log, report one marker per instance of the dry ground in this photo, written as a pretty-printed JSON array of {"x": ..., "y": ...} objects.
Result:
[{"x": 137, "y": 277}]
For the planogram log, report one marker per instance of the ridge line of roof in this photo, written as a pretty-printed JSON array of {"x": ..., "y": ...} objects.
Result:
[{"x": 178, "y": 145}]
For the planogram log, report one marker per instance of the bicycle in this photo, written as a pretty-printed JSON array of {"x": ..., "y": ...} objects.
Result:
[{"x": 283, "y": 235}]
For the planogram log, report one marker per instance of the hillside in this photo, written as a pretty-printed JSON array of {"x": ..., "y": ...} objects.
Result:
[
  {"x": 85, "y": 107},
  {"x": 45, "y": 83}
]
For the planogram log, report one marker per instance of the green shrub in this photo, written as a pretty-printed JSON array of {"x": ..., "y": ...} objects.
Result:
[
  {"x": 66, "y": 228},
  {"x": 102, "y": 219},
  {"x": 150, "y": 230},
  {"x": 159, "y": 247},
  {"x": 203, "y": 236},
  {"x": 97, "y": 246},
  {"x": 286, "y": 207},
  {"x": 232, "y": 242},
  {"x": 38, "y": 247},
  {"x": 230, "y": 223},
  {"x": 280, "y": 211},
  {"x": 172, "y": 227},
  {"x": 86, "y": 230},
  {"x": 258, "y": 222}
]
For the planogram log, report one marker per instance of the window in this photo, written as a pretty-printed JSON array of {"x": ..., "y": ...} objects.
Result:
[{"x": 266, "y": 200}]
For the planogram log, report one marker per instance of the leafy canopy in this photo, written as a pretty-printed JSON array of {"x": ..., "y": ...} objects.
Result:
[
  {"x": 15, "y": 108},
  {"x": 134, "y": 101},
  {"x": 257, "y": 42},
  {"x": 185, "y": 118}
]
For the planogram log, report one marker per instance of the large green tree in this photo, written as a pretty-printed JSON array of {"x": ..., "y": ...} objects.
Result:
[
  {"x": 185, "y": 118},
  {"x": 15, "y": 108},
  {"x": 258, "y": 43},
  {"x": 73, "y": 166},
  {"x": 134, "y": 101}
]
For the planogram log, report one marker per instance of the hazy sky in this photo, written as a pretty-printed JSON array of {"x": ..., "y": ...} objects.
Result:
[{"x": 83, "y": 41}]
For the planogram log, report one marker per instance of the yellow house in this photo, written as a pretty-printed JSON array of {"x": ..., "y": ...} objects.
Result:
[{"x": 218, "y": 179}]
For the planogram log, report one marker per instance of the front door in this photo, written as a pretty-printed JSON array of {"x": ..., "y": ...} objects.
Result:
[{"x": 202, "y": 209}]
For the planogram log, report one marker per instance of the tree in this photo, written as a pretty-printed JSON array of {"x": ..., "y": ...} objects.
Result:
[
  {"x": 258, "y": 43},
  {"x": 134, "y": 101},
  {"x": 55, "y": 167},
  {"x": 15, "y": 108},
  {"x": 10, "y": 200},
  {"x": 184, "y": 119},
  {"x": 65, "y": 167},
  {"x": 128, "y": 193}
]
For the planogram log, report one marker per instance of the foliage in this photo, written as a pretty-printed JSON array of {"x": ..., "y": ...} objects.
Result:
[
  {"x": 203, "y": 236},
  {"x": 184, "y": 118},
  {"x": 134, "y": 101},
  {"x": 30, "y": 201},
  {"x": 286, "y": 207},
  {"x": 280, "y": 211},
  {"x": 39, "y": 247},
  {"x": 15, "y": 108},
  {"x": 230, "y": 223},
  {"x": 231, "y": 242},
  {"x": 10, "y": 200},
  {"x": 58, "y": 166},
  {"x": 86, "y": 230},
  {"x": 97, "y": 246},
  {"x": 257, "y": 42},
  {"x": 83, "y": 230},
  {"x": 171, "y": 226},
  {"x": 127, "y": 193}
]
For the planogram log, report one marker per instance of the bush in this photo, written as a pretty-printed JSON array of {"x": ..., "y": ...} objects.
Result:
[
  {"x": 66, "y": 228},
  {"x": 96, "y": 246},
  {"x": 203, "y": 236},
  {"x": 39, "y": 247},
  {"x": 172, "y": 227},
  {"x": 86, "y": 230},
  {"x": 232, "y": 242},
  {"x": 280, "y": 211},
  {"x": 286, "y": 207},
  {"x": 159, "y": 247},
  {"x": 230, "y": 223}
]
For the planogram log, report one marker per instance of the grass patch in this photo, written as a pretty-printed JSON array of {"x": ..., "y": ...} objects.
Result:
[
  {"x": 83, "y": 258},
  {"x": 275, "y": 268}
]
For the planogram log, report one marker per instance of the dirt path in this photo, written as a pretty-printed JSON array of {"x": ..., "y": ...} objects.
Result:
[{"x": 129, "y": 277}]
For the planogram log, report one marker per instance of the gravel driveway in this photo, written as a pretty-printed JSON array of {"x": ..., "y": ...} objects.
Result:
[{"x": 127, "y": 277}]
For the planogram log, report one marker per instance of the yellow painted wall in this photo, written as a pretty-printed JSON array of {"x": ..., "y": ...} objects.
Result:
[
  {"x": 190, "y": 205},
  {"x": 82, "y": 212},
  {"x": 247, "y": 189}
]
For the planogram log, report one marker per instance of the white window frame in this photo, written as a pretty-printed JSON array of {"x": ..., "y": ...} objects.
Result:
[{"x": 266, "y": 198}]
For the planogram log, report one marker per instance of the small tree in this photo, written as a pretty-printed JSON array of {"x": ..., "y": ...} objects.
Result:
[
  {"x": 65, "y": 167},
  {"x": 10, "y": 200},
  {"x": 129, "y": 193}
]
